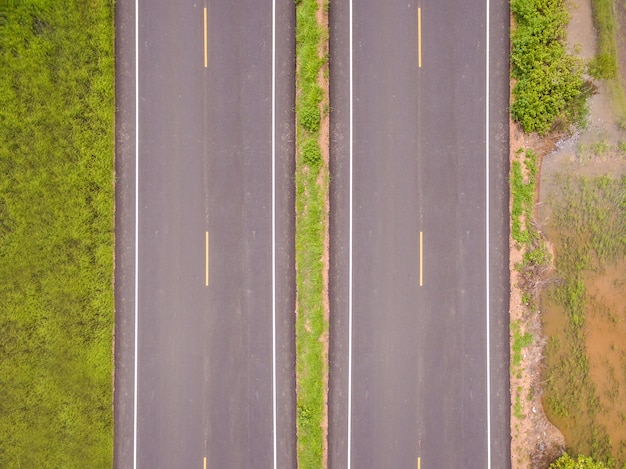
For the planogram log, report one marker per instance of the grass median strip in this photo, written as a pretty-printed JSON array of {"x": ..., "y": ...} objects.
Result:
[
  {"x": 311, "y": 231},
  {"x": 56, "y": 234}
]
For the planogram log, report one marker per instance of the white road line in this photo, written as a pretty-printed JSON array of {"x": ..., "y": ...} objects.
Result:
[
  {"x": 350, "y": 260},
  {"x": 136, "y": 231},
  {"x": 274, "y": 228},
  {"x": 488, "y": 319},
  {"x": 206, "y": 60}
]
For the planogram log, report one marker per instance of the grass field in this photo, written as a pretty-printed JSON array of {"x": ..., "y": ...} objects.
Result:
[
  {"x": 56, "y": 234},
  {"x": 311, "y": 218}
]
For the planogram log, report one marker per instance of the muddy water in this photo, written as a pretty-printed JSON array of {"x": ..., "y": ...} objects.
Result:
[
  {"x": 606, "y": 345},
  {"x": 604, "y": 330},
  {"x": 605, "y": 299},
  {"x": 604, "y": 341}
]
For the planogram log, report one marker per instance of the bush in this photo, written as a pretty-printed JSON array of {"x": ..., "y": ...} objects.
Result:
[
  {"x": 602, "y": 67},
  {"x": 309, "y": 117},
  {"x": 581, "y": 462},
  {"x": 548, "y": 79},
  {"x": 312, "y": 152}
]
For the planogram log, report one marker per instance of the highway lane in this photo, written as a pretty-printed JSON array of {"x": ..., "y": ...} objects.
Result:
[
  {"x": 215, "y": 236},
  {"x": 419, "y": 339}
]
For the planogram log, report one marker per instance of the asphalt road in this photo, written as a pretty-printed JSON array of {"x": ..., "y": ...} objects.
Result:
[
  {"x": 419, "y": 241},
  {"x": 214, "y": 271}
]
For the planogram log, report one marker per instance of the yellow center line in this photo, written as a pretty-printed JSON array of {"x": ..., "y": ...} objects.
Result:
[
  {"x": 206, "y": 275},
  {"x": 205, "y": 462},
  {"x": 421, "y": 258},
  {"x": 418, "y": 463},
  {"x": 419, "y": 37},
  {"x": 205, "y": 41}
]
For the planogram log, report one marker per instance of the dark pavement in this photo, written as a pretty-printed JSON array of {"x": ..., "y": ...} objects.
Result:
[
  {"x": 205, "y": 353},
  {"x": 420, "y": 386}
]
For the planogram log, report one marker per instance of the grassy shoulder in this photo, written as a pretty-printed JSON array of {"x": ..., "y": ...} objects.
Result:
[
  {"x": 312, "y": 179},
  {"x": 530, "y": 262},
  {"x": 56, "y": 234}
]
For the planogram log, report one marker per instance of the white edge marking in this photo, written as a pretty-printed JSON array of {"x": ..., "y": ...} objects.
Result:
[
  {"x": 274, "y": 230},
  {"x": 350, "y": 255},
  {"x": 487, "y": 291},
  {"x": 136, "y": 300}
]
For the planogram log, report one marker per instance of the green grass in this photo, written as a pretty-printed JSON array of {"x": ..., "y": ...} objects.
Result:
[
  {"x": 56, "y": 234},
  {"x": 604, "y": 64},
  {"x": 517, "y": 406},
  {"x": 311, "y": 216},
  {"x": 523, "y": 180},
  {"x": 523, "y": 194},
  {"x": 520, "y": 341}
]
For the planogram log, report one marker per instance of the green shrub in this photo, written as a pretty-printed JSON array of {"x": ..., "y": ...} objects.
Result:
[
  {"x": 602, "y": 67},
  {"x": 309, "y": 116},
  {"x": 548, "y": 80},
  {"x": 312, "y": 153},
  {"x": 581, "y": 462}
]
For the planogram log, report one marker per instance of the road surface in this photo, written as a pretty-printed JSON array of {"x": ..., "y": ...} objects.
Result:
[
  {"x": 419, "y": 243},
  {"x": 205, "y": 265}
]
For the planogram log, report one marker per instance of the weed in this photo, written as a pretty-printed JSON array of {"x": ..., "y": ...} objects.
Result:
[
  {"x": 601, "y": 148},
  {"x": 517, "y": 406},
  {"x": 602, "y": 67},
  {"x": 520, "y": 341},
  {"x": 523, "y": 193}
]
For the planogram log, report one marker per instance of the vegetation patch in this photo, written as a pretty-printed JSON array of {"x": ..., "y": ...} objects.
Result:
[
  {"x": 311, "y": 230},
  {"x": 549, "y": 88},
  {"x": 56, "y": 234},
  {"x": 520, "y": 341},
  {"x": 581, "y": 462},
  {"x": 604, "y": 64},
  {"x": 535, "y": 257},
  {"x": 534, "y": 443}
]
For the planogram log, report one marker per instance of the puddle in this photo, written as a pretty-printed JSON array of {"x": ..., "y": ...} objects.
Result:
[
  {"x": 602, "y": 405},
  {"x": 606, "y": 345},
  {"x": 588, "y": 373}
]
